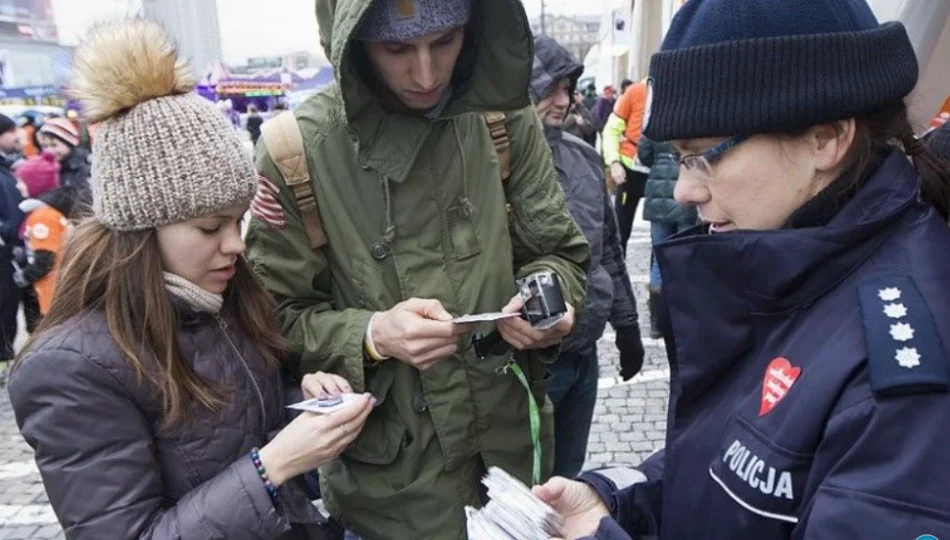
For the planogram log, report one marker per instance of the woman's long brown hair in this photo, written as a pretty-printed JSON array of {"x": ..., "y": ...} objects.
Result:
[{"x": 120, "y": 274}]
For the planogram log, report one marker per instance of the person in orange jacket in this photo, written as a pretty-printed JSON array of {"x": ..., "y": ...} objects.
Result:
[
  {"x": 29, "y": 143},
  {"x": 47, "y": 225},
  {"x": 621, "y": 137}
]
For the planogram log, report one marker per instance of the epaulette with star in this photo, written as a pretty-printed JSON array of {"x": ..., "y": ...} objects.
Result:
[{"x": 905, "y": 352}]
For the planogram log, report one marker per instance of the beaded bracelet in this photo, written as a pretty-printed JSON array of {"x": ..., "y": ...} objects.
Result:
[{"x": 262, "y": 472}]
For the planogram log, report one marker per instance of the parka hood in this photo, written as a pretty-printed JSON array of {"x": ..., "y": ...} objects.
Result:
[
  {"x": 552, "y": 62},
  {"x": 492, "y": 73}
]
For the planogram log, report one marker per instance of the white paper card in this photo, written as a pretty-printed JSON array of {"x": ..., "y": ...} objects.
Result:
[
  {"x": 326, "y": 406},
  {"x": 485, "y": 317}
]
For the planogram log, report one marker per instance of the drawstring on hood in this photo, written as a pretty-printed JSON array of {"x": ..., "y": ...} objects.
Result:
[{"x": 465, "y": 206}]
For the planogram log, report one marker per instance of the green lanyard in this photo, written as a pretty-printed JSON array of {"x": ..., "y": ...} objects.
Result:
[{"x": 535, "y": 416}]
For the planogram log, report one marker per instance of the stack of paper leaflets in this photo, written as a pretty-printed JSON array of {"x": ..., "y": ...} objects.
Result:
[{"x": 512, "y": 513}]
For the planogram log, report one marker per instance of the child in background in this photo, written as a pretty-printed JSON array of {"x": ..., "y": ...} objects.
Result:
[
  {"x": 61, "y": 137},
  {"x": 48, "y": 208}
]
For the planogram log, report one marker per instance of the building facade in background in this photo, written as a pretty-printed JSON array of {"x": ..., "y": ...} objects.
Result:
[
  {"x": 32, "y": 62},
  {"x": 28, "y": 19},
  {"x": 576, "y": 33},
  {"x": 294, "y": 61},
  {"x": 194, "y": 24},
  {"x": 297, "y": 61}
]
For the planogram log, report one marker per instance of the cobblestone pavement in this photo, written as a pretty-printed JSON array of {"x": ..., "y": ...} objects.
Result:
[
  {"x": 629, "y": 421},
  {"x": 630, "y": 418}
]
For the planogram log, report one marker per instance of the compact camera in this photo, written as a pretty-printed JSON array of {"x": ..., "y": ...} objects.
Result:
[
  {"x": 543, "y": 307},
  {"x": 543, "y": 300}
]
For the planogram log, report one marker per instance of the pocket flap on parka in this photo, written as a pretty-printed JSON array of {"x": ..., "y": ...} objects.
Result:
[{"x": 381, "y": 438}]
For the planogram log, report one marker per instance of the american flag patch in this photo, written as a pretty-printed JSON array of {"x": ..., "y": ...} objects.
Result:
[{"x": 265, "y": 206}]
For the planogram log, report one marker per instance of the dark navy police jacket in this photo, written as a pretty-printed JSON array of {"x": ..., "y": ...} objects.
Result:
[{"x": 809, "y": 380}]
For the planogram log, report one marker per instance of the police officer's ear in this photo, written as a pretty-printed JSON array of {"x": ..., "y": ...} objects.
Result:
[{"x": 829, "y": 145}]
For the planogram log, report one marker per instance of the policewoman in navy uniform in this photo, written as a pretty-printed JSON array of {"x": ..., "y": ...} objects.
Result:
[{"x": 811, "y": 310}]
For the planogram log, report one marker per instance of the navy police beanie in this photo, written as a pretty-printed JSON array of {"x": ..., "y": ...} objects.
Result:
[{"x": 729, "y": 67}]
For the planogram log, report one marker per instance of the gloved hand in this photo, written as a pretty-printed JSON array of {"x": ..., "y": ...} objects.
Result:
[
  {"x": 631, "y": 351},
  {"x": 18, "y": 278}
]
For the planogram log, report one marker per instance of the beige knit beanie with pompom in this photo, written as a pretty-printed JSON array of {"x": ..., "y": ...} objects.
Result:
[{"x": 162, "y": 154}]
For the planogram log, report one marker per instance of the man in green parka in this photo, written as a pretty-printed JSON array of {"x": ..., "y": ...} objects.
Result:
[{"x": 417, "y": 227}]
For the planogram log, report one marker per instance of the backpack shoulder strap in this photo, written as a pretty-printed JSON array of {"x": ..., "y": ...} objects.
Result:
[
  {"x": 284, "y": 143},
  {"x": 498, "y": 127}
]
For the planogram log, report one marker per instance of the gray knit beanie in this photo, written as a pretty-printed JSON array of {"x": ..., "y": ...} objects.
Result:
[
  {"x": 162, "y": 154},
  {"x": 404, "y": 20}
]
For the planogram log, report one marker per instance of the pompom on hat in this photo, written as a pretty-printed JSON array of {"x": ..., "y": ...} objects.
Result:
[
  {"x": 163, "y": 154},
  {"x": 39, "y": 174}
]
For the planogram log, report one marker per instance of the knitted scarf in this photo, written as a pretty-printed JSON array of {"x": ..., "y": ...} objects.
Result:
[{"x": 196, "y": 297}]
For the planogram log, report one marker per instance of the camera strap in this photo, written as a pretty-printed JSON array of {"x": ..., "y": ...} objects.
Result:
[{"x": 534, "y": 414}]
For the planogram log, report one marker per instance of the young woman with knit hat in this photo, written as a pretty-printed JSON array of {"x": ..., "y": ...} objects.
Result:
[
  {"x": 810, "y": 312},
  {"x": 61, "y": 137},
  {"x": 151, "y": 393}
]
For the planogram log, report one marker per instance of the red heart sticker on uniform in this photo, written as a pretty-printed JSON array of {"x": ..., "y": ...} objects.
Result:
[{"x": 779, "y": 378}]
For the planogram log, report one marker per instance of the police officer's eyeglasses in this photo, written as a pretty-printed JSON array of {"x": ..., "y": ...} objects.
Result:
[{"x": 703, "y": 161}]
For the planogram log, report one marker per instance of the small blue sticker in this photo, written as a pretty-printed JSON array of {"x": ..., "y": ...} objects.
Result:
[{"x": 329, "y": 402}]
